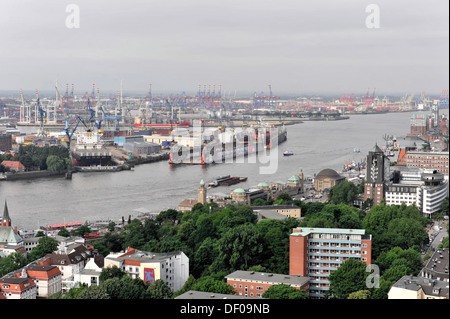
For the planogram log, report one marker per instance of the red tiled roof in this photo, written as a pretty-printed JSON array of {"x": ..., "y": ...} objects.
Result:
[{"x": 15, "y": 164}]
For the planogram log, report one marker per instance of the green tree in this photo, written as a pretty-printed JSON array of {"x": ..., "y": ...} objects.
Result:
[
  {"x": 211, "y": 284},
  {"x": 55, "y": 163},
  {"x": 238, "y": 248},
  {"x": 64, "y": 232},
  {"x": 11, "y": 262},
  {"x": 186, "y": 287},
  {"x": 82, "y": 230},
  {"x": 94, "y": 292},
  {"x": 159, "y": 290},
  {"x": 361, "y": 294},
  {"x": 345, "y": 192},
  {"x": 283, "y": 291},
  {"x": 113, "y": 272},
  {"x": 349, "y": 277},
  {"x": 133, "y": 234},
  {"x": 47, "y": 245},
  {"x": 246, "y": 212}
]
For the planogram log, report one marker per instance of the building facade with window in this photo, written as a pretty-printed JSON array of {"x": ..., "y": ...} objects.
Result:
[
  {"x": 254, "y": 284},
  {"x": 316, "y": 252},
  {"x": 424, "y": 189},
  {"x": 172, "y": 268}
]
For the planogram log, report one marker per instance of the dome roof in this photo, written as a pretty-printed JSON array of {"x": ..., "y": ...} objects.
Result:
[
  {"x": 294, "y": 178},
  {"x": 239, "y": 190},
  {"x": 263, "y": 184},
  {"x": 328, "y": 172}
]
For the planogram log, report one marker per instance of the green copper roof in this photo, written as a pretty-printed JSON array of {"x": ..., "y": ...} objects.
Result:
[
  {"x": 202, "y": 182},
  {"x": 239, "y": 190}
]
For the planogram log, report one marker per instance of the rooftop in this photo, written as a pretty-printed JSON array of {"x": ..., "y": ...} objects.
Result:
[
  {"x": 328, "y": 172},
  {"x": 303, "y": 231},
  {"x": 192, "y": 294},
  {"x": 268, "y": 277}
]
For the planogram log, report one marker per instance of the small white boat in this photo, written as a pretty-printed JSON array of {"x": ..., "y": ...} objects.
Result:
[{"x": 287, "y": 153}]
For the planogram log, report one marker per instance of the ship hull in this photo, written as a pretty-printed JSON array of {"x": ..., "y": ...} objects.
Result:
[{"x": 90, "y": 159}]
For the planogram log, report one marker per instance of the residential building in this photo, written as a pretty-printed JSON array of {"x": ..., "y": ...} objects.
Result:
[
  {"x": 436, "y": 267},
  {"x": 414, "y": 186},
  {"x": 69, "y": 264},
  {"x": 172, "y": 267},
  {"x": 316, "y": 252},
  {"x": 48, "y": 279},
  {"x": 14, "y": 166},
  {"x": 90, "y": 275},
  {"x": 18, "y": 287},
  {"x": 186, "y": 205},
  {"x": 412, "y": 287},
  {"x": 254, "y": 284}
]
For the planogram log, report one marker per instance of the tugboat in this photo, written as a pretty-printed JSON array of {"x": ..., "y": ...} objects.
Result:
[{"x": 287, "y": 153}]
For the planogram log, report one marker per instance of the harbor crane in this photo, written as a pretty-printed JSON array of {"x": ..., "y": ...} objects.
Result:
[
  {"x": 69, "y": 133},
  {"x": 42, "y": 116}
]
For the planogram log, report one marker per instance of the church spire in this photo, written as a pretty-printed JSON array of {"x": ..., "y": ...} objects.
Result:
[{"x": 6, "y": 221}]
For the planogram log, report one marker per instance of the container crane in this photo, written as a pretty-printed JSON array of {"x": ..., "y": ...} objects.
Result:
[
  {"x": 69, "y": 133},
  {"x": 42, "y": 116}
]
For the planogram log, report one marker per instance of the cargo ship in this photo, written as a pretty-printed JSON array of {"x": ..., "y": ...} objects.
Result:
[
  {"x": 227, "y": 181},
  {"x": 162, "y": 125},
  {"x": 89, "y": 150},
  {"x": 216, "y": 152}
]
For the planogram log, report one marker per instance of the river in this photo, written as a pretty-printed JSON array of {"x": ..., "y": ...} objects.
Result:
[{"x": 157, "y": 186}]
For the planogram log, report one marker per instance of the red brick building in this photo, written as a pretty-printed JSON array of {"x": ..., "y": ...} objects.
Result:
[
  {"x": 254, "y": 284},
  {"x": 316, "y": 252},
  {"x": 437, "y": 161}
]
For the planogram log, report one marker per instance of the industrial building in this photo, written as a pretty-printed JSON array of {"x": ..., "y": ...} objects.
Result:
[{"x": 142, "y": 148}]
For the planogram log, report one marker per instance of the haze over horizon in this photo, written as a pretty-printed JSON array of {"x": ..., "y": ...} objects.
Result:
[{"x": 302, "y": 48}]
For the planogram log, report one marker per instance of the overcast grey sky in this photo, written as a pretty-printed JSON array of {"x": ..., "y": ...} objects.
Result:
[{"x": 299, "y": 47}]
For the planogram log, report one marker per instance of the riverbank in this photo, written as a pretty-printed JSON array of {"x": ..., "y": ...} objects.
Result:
[{"x": 29, "y": 175}]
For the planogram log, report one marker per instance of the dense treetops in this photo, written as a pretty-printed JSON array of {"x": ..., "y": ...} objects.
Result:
[{"x": 219, "y": 241}]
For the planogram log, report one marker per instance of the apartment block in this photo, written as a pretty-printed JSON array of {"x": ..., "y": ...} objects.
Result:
[
  {"x": 316, "y": 252},
  {"x": 172, "y": 268},
  {"x": 254, "y": 284}
]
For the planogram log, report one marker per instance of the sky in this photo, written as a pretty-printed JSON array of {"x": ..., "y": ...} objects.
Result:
[{"x": 297, "y": 47}]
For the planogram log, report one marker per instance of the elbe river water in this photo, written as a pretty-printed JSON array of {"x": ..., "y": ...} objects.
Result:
[{"x": 158, "y": 186}]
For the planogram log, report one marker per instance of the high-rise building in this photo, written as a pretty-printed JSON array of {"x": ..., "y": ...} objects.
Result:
[
  {"x": 377, "y": 175},
  {"x": 316, "y": 252}
]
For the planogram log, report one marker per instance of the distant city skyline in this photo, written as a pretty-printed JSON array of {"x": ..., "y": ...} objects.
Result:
[{"x": 299, "y": 48}]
